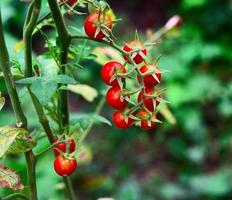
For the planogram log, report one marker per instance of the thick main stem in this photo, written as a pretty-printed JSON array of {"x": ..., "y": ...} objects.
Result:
[
  {"x": 64, "y": 42},
  {"x": 21, "y": 120},
  {"x": 31, "y": 175},
  {"x": 63, "y": 95}
]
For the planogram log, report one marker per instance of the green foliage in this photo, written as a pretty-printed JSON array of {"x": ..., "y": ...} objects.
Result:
[
  {"x": 15, "y": 140},
  {"x": 82, "y": 120}
]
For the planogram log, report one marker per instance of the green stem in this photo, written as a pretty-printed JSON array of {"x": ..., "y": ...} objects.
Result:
[
  {"x": 42, "y": 116},
  {"x": 50, "y": 147},
  {"x": 63, "y": 97},
  {"x": 97, "y": 111},
  {"x": 21, "y": 120},
  {"x": 29, "y": 27},
  {"x": 20, "y": 117},
  {"x": 69, "y": 191},
  {"x": 65, "y": 42},
  {"x": 31, "y": 174}
]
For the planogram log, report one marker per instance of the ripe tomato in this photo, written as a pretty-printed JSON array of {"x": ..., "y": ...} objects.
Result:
[
  {"x": 144, "y": 120},
  {"x": 120, "y": 121},
  {"x": 91, "y": 27},
  {"x": 69, "y": 2},
  {"x": 107, "y": 72},
  {"x": 149, "y": 80},
  {"x": 65, "y": 166},
  {"x": 62, "y": 146},
  {"x": 148, "y": 101},
  {"x": 113, "y": 98},
  {"x": 131, "y": 46}
]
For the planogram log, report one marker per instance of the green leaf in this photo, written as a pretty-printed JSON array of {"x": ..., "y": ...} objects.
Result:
[
  {"x": 64, "y": 79},
  {"x": 10, "y": 179},
  {"x": 28, "y": 80},
  {"x": 82, "y": 120},
  {"x": 86, "y": 91},
  {"x": 15, "y": 140},
  {"x": 44, "y": 90}
]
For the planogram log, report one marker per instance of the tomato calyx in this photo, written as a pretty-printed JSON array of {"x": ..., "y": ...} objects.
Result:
[
  {"x": 61, "y": 146},
  {"x": 150, "y": 98},
  {"x": 98, "y": 26},
  {"x": 136, "y": 50},
  {"x": 111, "y": 71},
  {"x": 122, "y": 120},
  {"x": 147, "y": 120}
]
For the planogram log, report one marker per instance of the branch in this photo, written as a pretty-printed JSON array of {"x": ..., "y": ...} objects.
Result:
[
  {"x": 29, "y": 26},
  {"x": 5, "y": 65},
  {"x": 20, "y": 118},
  {"x": 63, "y": 108}
]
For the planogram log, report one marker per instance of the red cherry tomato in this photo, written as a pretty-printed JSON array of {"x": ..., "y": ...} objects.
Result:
[
  {"x": 91, "y": 27},
  {"x": 131, "y": 46},
  {"x": 62, "y": 146},
  {"x": 69, "y": 2},
  {"x": 143, "y": 115},
  {"x": 148, "y": 101},
  {"x": 64, "y": 166},
  {"x": 113, "y": 98},
  {"x": 120, "y": 121},
  {"x": 149, "y": 80},
  {"x": 107, "y": 72}
]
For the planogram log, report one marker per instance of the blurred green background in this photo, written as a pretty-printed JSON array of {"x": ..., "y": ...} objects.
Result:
[{"x": 188, "y": 160}]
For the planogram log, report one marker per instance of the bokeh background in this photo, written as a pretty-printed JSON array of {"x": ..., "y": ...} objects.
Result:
[{"x": 190, "y": 159}]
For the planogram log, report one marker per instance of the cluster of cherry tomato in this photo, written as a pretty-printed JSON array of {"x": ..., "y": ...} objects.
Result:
[
  {"x": 65, "y": 163},
  {"x": 113, "y": 74}
]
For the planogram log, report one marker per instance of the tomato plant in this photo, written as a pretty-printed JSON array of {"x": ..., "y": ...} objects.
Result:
[{"x": 49, "y": 77}]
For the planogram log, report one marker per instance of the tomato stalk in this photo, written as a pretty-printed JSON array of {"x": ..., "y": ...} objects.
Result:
[
  {"x": 21, "y": 120},
  {"x": 63, "y": 109}
]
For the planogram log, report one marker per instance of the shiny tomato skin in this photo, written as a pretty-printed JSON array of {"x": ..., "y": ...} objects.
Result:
[
  {"x": 113, "y": 98},
  {"x": 129, "y": 46},
  {"x": 144, "y": 122},
  {"x": 62, "y": 146},
  {"x": 64, "y": 166},
  {"x": 107, "y": 72},
  {"x": 91, "y": 28},
  {"x": 69, "y": 2},
  {"x": 148, "y": 101},
  {"x": 119, "y": 120},
  {"x": 149, "y": 80}
]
